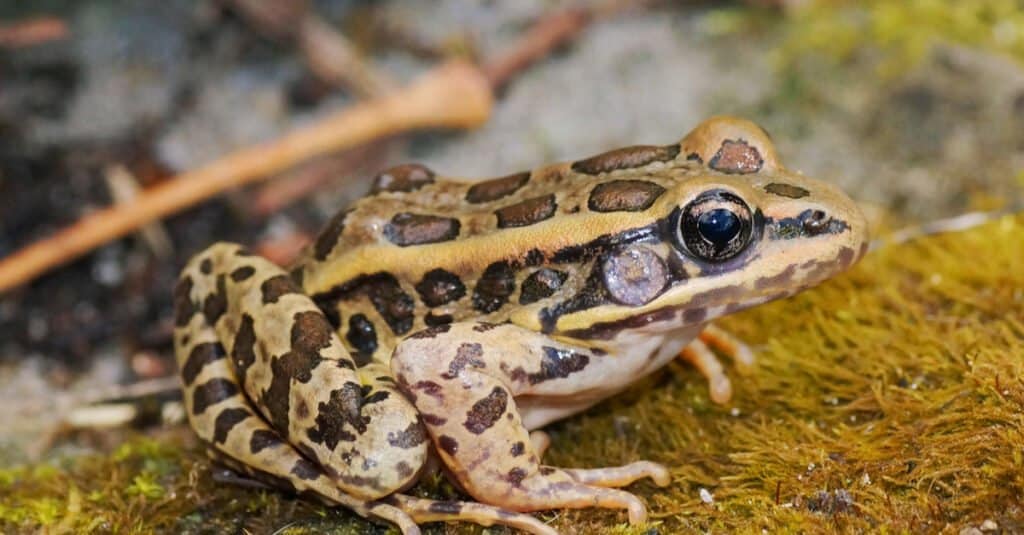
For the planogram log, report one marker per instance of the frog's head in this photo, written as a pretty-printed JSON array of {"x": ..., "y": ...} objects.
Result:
[{"x": 737, "y": 231}]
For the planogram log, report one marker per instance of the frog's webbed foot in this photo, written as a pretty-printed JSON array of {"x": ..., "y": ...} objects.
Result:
[
  {"x": 700, "y": 353},
  {"x": 464, "y": 380}
]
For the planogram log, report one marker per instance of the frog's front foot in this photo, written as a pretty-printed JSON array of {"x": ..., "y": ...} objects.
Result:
[
  {"x": 700, "y": 353},
  {"x": 464, "y": 380}
]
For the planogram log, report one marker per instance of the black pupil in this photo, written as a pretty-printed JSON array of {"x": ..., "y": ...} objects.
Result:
[{"x": 718, "y": 226}]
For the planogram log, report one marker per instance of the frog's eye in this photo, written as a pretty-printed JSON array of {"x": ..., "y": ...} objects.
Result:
[{"x": 715, "y": 226}]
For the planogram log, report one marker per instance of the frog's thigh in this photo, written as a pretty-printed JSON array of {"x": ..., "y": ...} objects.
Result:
[
  {"x": 464, "y": 379},
  {"x": 222, "y": 417}
]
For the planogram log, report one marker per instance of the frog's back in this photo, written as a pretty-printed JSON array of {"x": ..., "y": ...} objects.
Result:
[{"x": 422, "y": 250}]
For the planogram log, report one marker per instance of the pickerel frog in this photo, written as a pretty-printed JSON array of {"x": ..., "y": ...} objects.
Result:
[{"x": 452, "y": 318}]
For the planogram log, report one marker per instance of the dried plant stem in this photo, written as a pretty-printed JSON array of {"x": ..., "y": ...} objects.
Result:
[{"x": 454, "y": 95}]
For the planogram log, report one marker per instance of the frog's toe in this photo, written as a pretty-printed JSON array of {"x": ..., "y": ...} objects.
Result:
[
  {"x": 729, "y": 345},
  {"x": 701, "y": 356},
  {"x": 620, "y": 476}
]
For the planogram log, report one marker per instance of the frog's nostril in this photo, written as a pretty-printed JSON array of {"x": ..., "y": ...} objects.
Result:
[{"x": 815, "y": 222}]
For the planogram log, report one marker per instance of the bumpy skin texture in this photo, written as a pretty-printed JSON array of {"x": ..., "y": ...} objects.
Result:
[{"x": 468, "y": 314}]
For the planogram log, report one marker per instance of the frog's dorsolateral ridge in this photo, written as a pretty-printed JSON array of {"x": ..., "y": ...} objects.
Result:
[{"x": 468, "y": 314}]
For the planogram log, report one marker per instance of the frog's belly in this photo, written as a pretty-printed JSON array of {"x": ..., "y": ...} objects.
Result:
[{"x": 638, "y": 355}]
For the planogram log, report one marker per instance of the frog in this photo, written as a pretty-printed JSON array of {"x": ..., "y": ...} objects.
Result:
[{"x": 443, "y": 322}]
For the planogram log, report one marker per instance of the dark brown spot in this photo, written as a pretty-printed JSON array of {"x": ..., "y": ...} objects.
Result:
[
  {"x": 243, "y": 351},
  {"x": 816, "y": 222},
  {"x": 495, "y": 285},
  {"x": 302, "y": 409},
  {"x": 526, "y": 212},
  {"x": 439, "y": 287},
  {"x": 624, "y": 195},
  {"x": 184, "y": 309},
  {"x": 340, "y": 413},
  {"x": 433, "y": 419},
  {"x": 486, "y": 411},
  {"x": 262, "y": 439},
  {"x": 330, "y": 235},
  {"x": 546, "y": 470},
  {"x": 625, "y": 158},
  {"x": 448, "y": 444},
  {"x": 403, "y": 469},
  {"x": 363, "y": 337},
  {"x": 786, "y": 190},
  {"x": 433, "y": 320},
  {"x": 517, "y": 449},
  {"x": 516, "y": 476},
  {"x": 309, "y": 335},
  {"x": 216, "y": 303},
  {"x": 410, "y": 437},
  {"x": 431, "y": 332},
  {"x": 210, "y": 393},
  {"x": 541, "y": 284},
  {"x": 808, "y": 223},
  {"x": 306, "y": 470},
  {"x": 468, "y": 354},
  {"x": 415, "y": 229},
  {"x": 494, "y": 189},
  {"x": 592, "y": 294},
  {"x": 407, "y": 177},
  {"x": 558, "y": 364},
  {"x": 774, "y": 281},
  {"x": 383, "y": 290},
  {"x": 206, "y": 266},
  {"x": 274, "y": 287},
  {"x": 694, "y": 157},
  {"x": 226, "y": 421},
  {"x": 201, "y": 355},
  {"x": 429, "y": 388},
  {"x": 845, "y": 257},
  {"x": 736, "y": 157},
  {"x": 694, "y": 315},
  {"x": 242, "y": 273},
  {"x": 445, "y": 508},
  {"x": 634, "y": 276}
]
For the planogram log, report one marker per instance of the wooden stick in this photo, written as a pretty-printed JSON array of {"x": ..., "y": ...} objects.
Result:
[
  {"x": 548, "y": 33},
  {"x": 454, "y": 95}
]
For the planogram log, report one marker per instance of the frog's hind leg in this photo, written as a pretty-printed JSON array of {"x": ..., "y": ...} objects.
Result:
[
  {"x": 242, "y": 440},
  {"x": 423, "y": 510},
  {"x": 464, "y": 380},
  {"x": 224, "y": 418},
  {"x": 699, "y": 353}
]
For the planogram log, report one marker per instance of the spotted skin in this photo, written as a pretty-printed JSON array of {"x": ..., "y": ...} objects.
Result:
[{"x": 467, "y": 315}]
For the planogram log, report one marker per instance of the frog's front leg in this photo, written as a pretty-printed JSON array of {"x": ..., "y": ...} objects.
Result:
[
  {"x": 700, "y": 353},
  {"x": 464, "y": 380}
]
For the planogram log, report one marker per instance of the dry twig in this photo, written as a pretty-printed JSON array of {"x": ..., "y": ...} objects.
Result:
[
  {"x": 454, "y": 95},
  {"x": 33, "y": 32},
  {"x": 328, "y": 54}
]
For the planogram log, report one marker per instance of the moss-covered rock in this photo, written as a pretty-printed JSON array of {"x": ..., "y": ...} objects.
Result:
[{"x": 888, "y": 399}]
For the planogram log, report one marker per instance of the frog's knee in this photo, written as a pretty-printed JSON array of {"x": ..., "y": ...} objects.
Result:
[{"x": 731, "y": 145}]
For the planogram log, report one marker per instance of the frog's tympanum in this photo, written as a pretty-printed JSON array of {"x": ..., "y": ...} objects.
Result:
[{"x": 449, "y": 318}]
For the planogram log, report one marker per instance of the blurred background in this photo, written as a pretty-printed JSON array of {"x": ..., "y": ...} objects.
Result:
[{"x": 914, "y": 107}]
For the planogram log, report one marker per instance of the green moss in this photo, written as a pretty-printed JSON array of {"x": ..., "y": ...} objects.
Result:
[
  {"x": 887, "y": 400},
  {"x": 902, "y": 30}
]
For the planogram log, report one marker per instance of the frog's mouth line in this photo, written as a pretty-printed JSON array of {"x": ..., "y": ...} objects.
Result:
[{"x": 716, "y": 302}]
